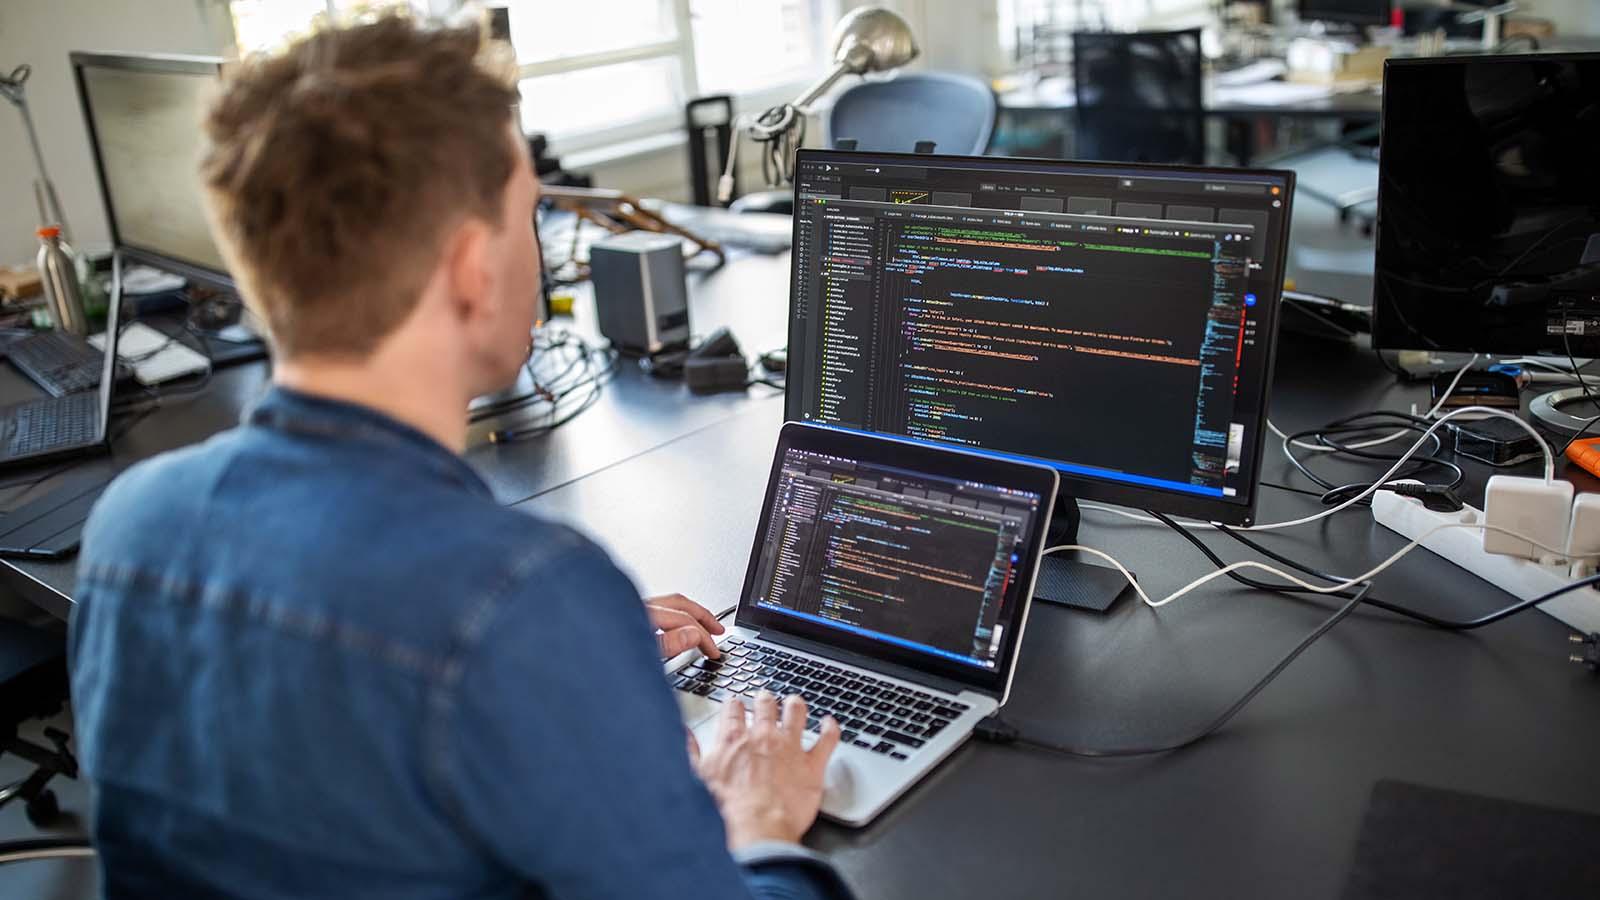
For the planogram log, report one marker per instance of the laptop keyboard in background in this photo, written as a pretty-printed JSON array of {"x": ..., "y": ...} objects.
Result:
[
  {"x": 41, "y": 425},
  {"x": 59, "y": 363},
  {"x": 875, "y": 714}
]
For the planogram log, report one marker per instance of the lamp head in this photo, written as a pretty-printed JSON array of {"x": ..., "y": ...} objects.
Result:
[{"x": 872, "y": 39}]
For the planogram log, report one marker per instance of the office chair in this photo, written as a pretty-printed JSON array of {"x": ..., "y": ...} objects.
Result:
[
  {"x": 1138, "y": 96},
  {"x": 955, "y": 112},
  {"x": 33, "y": 685},
  {"x": 914, "y": 112}
]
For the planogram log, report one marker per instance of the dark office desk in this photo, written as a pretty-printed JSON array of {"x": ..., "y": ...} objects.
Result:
[
  {"x": 1270, "y": 807},
  {"x": 1232, "y": 105}
]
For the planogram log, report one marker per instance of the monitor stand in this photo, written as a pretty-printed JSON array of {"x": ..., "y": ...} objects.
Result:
[{"x": 1070, "y": 582}]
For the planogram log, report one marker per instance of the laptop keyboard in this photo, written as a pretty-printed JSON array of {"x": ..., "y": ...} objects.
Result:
[
  {"x": 41, "y": 425},
  {"x": 60, "y": 363},
  {"x": 875, "y": 714}
]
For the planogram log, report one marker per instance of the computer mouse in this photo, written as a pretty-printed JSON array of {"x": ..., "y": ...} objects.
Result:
[{"x": 838, "y": 781}]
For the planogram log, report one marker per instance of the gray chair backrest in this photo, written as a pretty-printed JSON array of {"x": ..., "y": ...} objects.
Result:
[{"x": 956, "y": 112}]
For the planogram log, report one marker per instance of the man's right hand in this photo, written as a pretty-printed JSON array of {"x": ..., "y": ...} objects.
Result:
[{"x": 768, "y": 787}]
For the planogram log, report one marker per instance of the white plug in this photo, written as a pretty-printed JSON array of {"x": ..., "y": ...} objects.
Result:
[
  {"x": 1538, "y": 511},
  {"x": 1583, "y": 535}
]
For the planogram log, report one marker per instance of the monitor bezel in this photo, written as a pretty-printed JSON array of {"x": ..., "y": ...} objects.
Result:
[
  {"x": 945, "y": 462},
  {"x": 1228, "y": 511},
  {"x": 166, "y": 63},
  {"x": 1389, "y": 330}
]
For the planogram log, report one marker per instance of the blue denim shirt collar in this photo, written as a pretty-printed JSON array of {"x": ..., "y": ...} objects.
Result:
[{"x": 298, "y": 412}]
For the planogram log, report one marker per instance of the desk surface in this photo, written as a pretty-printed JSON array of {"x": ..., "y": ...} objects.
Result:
[
  {"x": 1270, "y": 807},
  {"x": 1277, "y": 99}
]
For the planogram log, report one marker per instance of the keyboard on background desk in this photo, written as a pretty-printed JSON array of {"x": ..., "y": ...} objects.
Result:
[
  {"x": 58, "y": 362},
  {"x": 41, "y": 425}
]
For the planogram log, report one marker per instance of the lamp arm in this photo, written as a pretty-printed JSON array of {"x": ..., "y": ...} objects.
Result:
[{"x": 821, "y": 86}]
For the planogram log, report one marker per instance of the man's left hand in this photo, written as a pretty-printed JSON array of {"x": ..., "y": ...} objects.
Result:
[{"x": 684, "y": 625}]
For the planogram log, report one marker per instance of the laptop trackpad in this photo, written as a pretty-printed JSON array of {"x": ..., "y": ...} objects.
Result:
[{"x": 696, "y": 709}]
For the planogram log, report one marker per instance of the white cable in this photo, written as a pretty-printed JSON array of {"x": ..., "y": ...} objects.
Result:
[
  {"x": 1549, "y": 464},
  {"x": 1320, "y": 448},
  {"x": 1549, "y": 472},
  {"x": 1292, "y": 579}
]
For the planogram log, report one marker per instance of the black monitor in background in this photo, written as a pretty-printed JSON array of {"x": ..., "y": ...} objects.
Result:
[
  {"x": 1346, "y": 12},
  {"x": 1489, "y": 205},
  {"x": 143, "y": 114},
  {"x": 1113, "y": 321}
]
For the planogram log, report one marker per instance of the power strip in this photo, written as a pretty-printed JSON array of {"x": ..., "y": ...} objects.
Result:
[{"x": 1522, "y": 578}]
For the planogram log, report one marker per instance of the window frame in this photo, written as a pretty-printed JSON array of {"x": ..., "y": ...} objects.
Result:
[{"x": 680, "y": 48}]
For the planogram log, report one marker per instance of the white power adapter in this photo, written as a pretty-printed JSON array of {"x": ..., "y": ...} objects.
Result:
[
  {"x": 1538, "y": 511},
  {"x": 1583, "y": 536}
]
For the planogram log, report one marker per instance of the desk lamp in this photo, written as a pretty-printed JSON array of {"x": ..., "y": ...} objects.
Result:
[
  {"x": 11, "y": 87},
  {"x": 870, "y": 39}
]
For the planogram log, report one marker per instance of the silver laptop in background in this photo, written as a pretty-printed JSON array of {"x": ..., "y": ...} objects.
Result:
[{"x": 888, "y": 586}]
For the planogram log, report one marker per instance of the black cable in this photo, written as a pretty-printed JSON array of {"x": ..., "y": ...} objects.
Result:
[
  {"x": 583, "y": 376},
  {"x": 1291, "y": 490},
  {"x": 1353, "y": 429},
  {"x": 1246, "y": 580},
  {"x": 998, "y": 731},
  {"x": 1390, "y": 367},
  {"x": 1407, "y": 612},
  {"x": 1583, "y": 382}
]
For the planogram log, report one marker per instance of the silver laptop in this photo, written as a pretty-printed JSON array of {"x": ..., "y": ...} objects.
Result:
[{"x": 889, "y": 586}]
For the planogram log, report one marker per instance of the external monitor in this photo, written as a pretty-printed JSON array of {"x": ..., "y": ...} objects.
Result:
[
  {"x": 1346, "y": 12},
  {"x": 144, "y": 119},
  {"x": 1113, "y": 321},
  {"x": 1489, "y": 205}
]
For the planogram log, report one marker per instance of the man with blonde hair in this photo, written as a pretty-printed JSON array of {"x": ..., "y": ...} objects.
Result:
[{"x": 312, "y": 657}]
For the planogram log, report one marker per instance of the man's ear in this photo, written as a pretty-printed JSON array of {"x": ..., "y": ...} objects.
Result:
[{"x": 467, "y": 269}]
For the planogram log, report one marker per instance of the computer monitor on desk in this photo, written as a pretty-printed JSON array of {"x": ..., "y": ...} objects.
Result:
[
  {"x": 1114, "y": 321},
  {"x": 1489, "y": 205},
  {"x": 144, "y": 113}
]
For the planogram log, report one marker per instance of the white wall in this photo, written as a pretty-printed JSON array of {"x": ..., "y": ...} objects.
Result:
[{"x": 41, "y": 33}]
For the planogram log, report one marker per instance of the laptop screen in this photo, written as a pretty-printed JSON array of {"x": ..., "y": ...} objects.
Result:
[{"x": 933, "y": 566}]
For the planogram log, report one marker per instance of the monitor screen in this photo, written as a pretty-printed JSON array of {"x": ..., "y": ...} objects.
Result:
[
  {"x": 921, "y": 562},
  {"x": 144, "y": 116},
  {"x": 1113, "y": 321},
  {"x": 1349, "y": 12},
  {"x": 1489, "y": 205}
]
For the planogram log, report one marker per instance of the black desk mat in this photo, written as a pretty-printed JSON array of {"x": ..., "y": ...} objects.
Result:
[{"x": 1425, "y": 842}]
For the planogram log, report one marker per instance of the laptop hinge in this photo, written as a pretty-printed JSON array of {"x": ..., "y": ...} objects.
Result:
[{"x": 862, "y": 661}]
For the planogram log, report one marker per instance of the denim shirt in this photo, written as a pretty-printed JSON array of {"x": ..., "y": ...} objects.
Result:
[{"x": 312, "y": 657}]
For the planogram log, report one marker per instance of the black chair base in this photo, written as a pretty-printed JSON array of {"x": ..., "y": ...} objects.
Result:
[{"x": 42, "y": 807}]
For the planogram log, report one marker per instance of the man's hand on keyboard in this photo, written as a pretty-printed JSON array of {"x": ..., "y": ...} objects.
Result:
[
  {"x": 683, "y": 624},
  {"x": 768, "y": 786}
]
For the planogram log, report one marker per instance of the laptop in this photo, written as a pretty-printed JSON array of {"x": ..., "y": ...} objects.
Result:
[
  {"x": 57, "y": 427},
  {"x": 889, "y": 586}
]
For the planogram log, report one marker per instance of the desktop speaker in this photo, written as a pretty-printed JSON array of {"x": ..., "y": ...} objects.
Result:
[{"x": 639, "y": 291}]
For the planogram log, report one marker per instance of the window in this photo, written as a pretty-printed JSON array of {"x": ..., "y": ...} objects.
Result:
[
  {"x": 596, "y": 72},
  {"x": 265, "y": 24},
  {"x": 602, "y": 71},
  {"x": 586, "y": 85}
]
